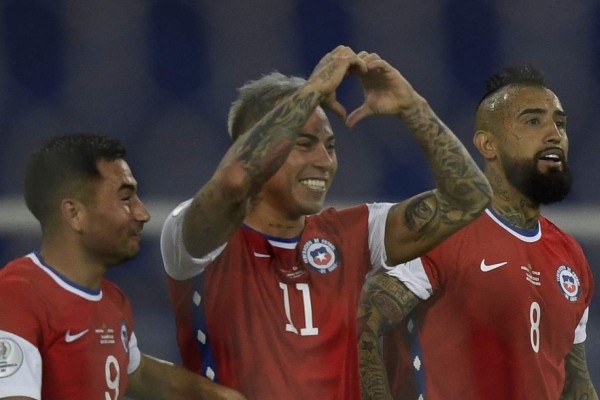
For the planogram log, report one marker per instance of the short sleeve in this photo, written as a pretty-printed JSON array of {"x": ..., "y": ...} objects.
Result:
[
  {"x": 178, "y": 263},
  {"x": 414, "y": 277},
  {"x": 20, "y": 367},
  {"x": 580, "y": 331},
  {"x": 135, "y": 355},
  {"x": 377, "y": 219}
]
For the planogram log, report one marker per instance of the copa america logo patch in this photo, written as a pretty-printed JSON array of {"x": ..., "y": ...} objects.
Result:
[
  {"x": 568, "y": 283},
  {"x": 11, "y": 357},
  {"x": 320, "y": 255}
]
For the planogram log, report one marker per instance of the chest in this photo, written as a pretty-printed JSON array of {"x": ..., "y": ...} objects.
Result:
[
  {"x": 86, "y": 342},
  {"x": 309, "y": 288},
  {"x": 516, "y": 291}
]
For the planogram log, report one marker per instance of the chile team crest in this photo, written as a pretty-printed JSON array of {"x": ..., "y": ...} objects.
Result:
[
  {"x": 568, "y": 282},
  {"x": 124, "y": 337},
  {"x": 320, "y": 255}
]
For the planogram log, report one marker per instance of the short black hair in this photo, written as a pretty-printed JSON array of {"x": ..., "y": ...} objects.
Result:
[
  {"x": 525, "y": 75},
  {"x": 63, "y": 166}
]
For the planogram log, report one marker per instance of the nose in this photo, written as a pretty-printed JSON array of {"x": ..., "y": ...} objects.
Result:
[
  {"x": 140, "y": 212},
  {"x": 324, "y": 157},
  {"x": 555, "y": 134}
]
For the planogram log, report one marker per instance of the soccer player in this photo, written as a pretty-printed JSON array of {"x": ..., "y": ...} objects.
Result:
[
  {"x": 265, "y": 289},
  {"x": 498, "y": 310},
  {"x": 66, "y": 333}
]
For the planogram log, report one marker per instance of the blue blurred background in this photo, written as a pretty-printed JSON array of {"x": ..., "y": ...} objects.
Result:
[{"x": 160, "y": 75}]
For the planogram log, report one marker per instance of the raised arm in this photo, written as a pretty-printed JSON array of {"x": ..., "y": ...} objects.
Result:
[
  {"x": 384, "y": 302},
  {"x": 223, "y": 202},
  {"x": 157, "y": 379},
  {"x": 578, "y": 385},
  {"x": 462, "y": 192}
]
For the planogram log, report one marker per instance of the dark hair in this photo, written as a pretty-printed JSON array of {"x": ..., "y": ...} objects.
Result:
[
  {"x": 525, "y": 75},
  {"x": 257, "y": 98},
  {"x": 63, "y": 166}
]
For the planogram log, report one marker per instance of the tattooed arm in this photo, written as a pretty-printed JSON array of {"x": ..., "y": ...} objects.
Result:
[
  {"x": 578, "y": 385},
  {"x": 462, "y": 192},
  {"x": 223, "y": 202},
  {"x": 384, "y": 302}
]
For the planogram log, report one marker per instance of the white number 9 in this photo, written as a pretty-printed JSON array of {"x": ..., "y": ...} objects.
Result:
[{"x": 112, "y": 380}]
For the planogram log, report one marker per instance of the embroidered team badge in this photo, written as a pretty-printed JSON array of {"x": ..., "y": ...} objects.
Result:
[
  {"x": 320, "y": 255},
  {"x": 11, "y": 357},
  {"x": 568, "y": 283}
]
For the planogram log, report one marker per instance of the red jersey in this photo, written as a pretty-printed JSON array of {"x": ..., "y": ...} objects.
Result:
[
  {"x": 273, "y": 318},
  {"x": 60, "y": 341},
  {"x": 503, "y": 308}
]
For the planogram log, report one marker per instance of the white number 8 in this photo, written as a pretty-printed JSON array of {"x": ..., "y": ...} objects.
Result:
[{"x": 535, "y": 315}]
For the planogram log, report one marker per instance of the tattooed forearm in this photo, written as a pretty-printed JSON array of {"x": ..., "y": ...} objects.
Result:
[
  {"x": 384, "y": 302},
  {"x": 462, "y": 189},
  {"x": 578, "y": 385},
  {"x": 266, "y": 146}
]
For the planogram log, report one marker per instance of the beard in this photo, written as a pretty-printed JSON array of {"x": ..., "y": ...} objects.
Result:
[{"x": 541, "y": 187}]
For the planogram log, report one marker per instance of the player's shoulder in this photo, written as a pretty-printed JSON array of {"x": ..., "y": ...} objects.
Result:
[
  {"x": 349, "y": 213},
  {"x": 114, "y": 292},
  {"x": 552, "y": 230},
  {"x": 21, "y": 284},
  {"x": 18, "y": 271}
]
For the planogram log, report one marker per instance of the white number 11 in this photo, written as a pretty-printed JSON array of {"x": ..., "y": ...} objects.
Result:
[{"x": 309, "y": 329}]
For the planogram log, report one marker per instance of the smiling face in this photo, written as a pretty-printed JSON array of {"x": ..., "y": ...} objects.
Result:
[
  {"x": 299, "y": 187},
  {"x": 529, "y": 128},
  {"x": 113, "y": 215}
]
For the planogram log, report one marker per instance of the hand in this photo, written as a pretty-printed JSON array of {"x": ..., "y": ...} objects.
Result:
[
  {"x": 386, "y": 91},
  {"x": 330, "y": 72}
]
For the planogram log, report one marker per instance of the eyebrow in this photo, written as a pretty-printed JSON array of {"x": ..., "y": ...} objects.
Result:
[
  {"x": 127, "y": 186},
  {"x": 541, "y": 111},
  {"x": 315, "y": 138}
]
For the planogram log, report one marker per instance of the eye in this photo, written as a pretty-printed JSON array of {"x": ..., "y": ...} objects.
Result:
[
  {"x": 126, "y": 196},
  {"x": 305, "y": 144},
  {"x": 533, "y": 121},
  {"x": 561, "y": 124}
]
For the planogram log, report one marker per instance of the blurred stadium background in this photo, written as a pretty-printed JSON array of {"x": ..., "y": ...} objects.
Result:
[{"x": 160, "y": 74}]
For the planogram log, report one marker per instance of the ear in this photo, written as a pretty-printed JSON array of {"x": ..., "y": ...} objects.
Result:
[
  {"x": 73, "y": 213},
  {"x": 485, "y": 142}
]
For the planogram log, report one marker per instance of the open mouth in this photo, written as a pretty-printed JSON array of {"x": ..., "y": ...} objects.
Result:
[
  {"x": 315, "y": 184},
  {"x": 551, "y": 158}
]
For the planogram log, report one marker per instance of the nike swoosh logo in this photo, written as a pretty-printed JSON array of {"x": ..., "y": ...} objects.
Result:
[
  {"x": 71, "y": 338},
  {"x": 260, "y": 255},
  {"x": 488, "y": 267}
]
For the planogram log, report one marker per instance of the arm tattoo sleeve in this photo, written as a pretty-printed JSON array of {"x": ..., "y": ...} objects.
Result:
[
  {"x": 578, "y": 385},
  {"x": 384, "y": 302},
  {"x": 462, "y": 189},
  {"x": 267, "y": 145}
]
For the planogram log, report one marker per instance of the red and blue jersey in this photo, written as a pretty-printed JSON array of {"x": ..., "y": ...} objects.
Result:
[
  {"x": 59, "y": 340},
  {"x": 502, "y": 308},
  {"x": 273, "y": 318}
]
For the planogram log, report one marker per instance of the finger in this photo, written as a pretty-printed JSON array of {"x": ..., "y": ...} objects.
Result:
[
  {"x": 369, "y": 57},
  {"x": 358, "y": 66},
  {"x": 377, "y": 63},
  {"x": 337, "y": 108},
  {"x": 357, "y": 115}
]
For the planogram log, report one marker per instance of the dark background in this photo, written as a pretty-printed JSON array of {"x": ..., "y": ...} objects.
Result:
[{"x": 160, "y": 75}]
